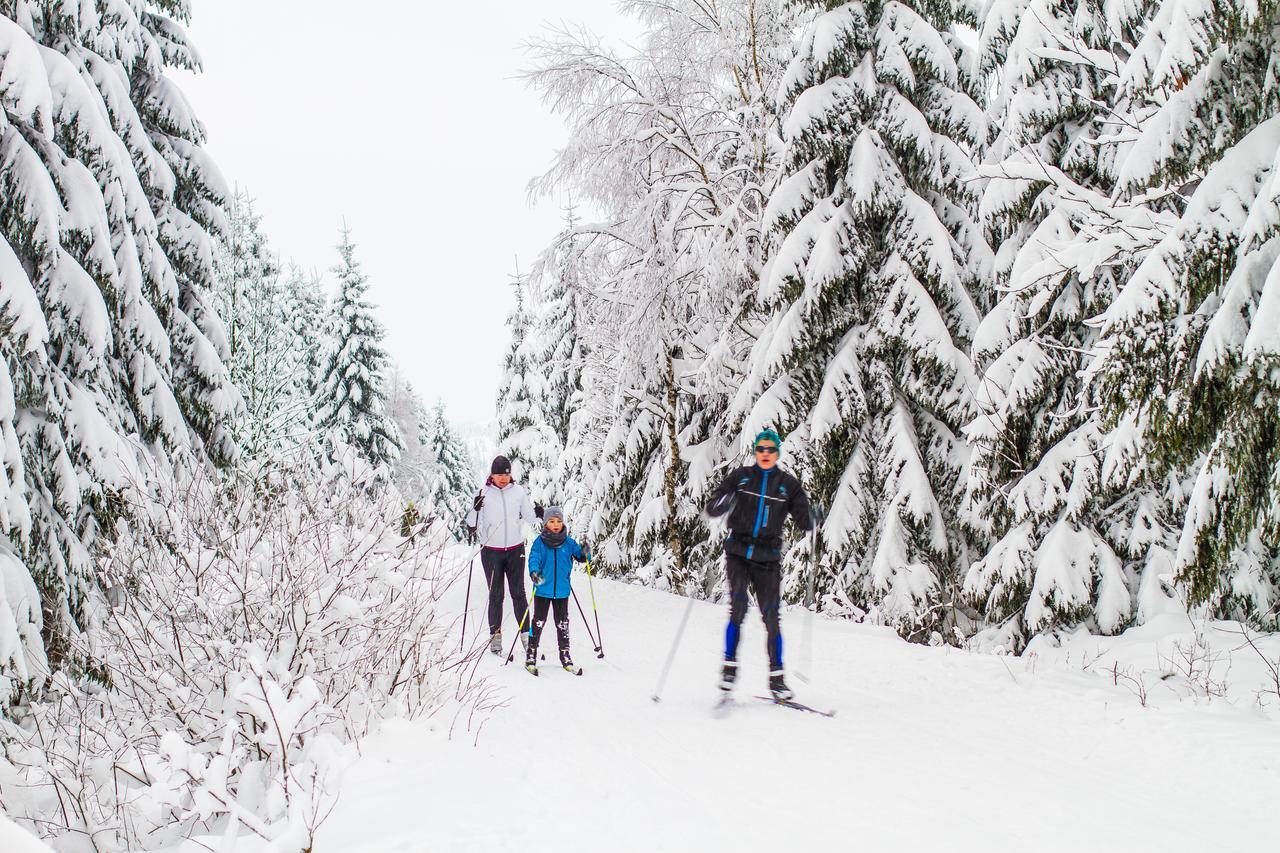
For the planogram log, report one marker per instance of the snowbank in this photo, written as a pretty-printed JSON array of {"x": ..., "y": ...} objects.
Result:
[
  {"x": 15, "y": 839},
  {"x": 1176, "y": 658}
]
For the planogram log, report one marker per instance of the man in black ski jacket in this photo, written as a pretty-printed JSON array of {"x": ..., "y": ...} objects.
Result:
[{"x": 758, "y": 499}]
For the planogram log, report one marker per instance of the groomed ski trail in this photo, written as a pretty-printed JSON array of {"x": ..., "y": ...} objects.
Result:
[{"x": 931, "y": 749}]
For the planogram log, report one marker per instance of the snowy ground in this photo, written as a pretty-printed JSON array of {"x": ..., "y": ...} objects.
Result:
[
  {"x": 15, "y": 839},
  {"x": 931, "y": 749}
]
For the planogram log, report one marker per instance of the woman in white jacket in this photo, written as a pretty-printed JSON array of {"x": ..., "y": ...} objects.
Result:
[{"x": 501, "y": 511}]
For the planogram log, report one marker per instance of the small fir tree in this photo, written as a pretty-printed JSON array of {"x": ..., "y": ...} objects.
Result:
[
  {"x": 453, "y": 486},
  {"x": 352, "y": 368},
  {"x": 524, "y": 436},
  {"x": 269, "y": 358}
]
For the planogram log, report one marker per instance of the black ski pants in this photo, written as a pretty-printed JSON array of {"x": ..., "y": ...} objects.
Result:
[
  {"x": 560, "y": 606},
  {"x": 765, "y": 580},
  {"x": 499, "y": 564}
]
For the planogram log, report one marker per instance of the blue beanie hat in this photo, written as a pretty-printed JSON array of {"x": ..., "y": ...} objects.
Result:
[{"x": 770, "y": 434}]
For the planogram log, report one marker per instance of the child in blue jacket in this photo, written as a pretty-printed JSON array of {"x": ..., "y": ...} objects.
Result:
[{"x": 550, "y": 562}]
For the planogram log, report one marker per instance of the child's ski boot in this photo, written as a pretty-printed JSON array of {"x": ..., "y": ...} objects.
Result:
[
  {"x": 778, "y": 687},
  {"x": 568, "y": 664},
  {"x": 531, "y": 660}
]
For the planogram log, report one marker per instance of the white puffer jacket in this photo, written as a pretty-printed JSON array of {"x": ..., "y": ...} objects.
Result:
[{"x": 498, "y": 524}]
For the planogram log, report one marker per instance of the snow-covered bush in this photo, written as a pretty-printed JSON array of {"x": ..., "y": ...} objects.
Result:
[
  {"x": 1172, "y": 657},
  {"x": 246, "y": 633}
]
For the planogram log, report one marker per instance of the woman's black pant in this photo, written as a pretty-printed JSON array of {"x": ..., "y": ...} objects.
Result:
[
  {"x": 499, "y": 564},
  {"x": 561, "y": 608}
]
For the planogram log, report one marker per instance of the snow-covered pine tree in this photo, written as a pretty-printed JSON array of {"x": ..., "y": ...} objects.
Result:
[
  {"x": 555, "y": 339},
  {"x": 269, "y": 358},
  {"x": 524, "y": 436},
  {"x": 1191, "y": 353},
  {"x": 353, "y": 364},
  {"x": 1059, "y": 545},
  {"x": 453, "y": 487},
  {"x": 414, "y": 469},
  {"x": 580, "y": 459},
  {"x": 113, "y": 358},
  {"x": 306, "y": 312},
  {"x": 874, "y": 292},
  {"x": 675, "y": 145},
  {"x": 559, "y": 338}
]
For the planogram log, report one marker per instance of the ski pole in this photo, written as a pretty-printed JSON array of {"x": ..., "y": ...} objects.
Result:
[
  {"x": 591, "y": 586},
  {"x": 657, "y": 691},
  {"x": 511, "y": 653},
  {"x": 599, "y": 653},
  {"x": 466, "y": 607},
  {"x": 808, "y": 611}
]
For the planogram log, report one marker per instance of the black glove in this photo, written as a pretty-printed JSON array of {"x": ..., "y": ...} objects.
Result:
[
  {"x": 586, "y": 551},
  {"x": 471, "y": 535},
  {"x": 538, "y": 510},
  {"x": 723, "y": 504},
  {"x": 479, "y": 502},
  {"x": 536, "y": 577}
]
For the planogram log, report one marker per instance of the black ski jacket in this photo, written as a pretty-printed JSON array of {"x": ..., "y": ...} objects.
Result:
[{"x": 758, "y": 502}]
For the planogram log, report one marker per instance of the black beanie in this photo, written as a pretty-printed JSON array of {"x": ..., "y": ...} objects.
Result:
[{"x": 501, "y": 465}]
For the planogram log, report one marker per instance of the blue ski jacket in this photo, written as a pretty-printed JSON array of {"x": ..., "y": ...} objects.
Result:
[{"x": 554, "y": 563}]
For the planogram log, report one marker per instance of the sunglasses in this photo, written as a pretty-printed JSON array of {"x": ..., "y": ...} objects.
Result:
[{"x": 766, "y": 448}]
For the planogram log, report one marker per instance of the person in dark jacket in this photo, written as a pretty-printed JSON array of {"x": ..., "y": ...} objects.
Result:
[
  {"x": 550, "y": 564},
  {"x": 757, "y": 500}
]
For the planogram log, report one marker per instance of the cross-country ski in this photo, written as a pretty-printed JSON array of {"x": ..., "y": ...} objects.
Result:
[{"x": 798, "y": 706}]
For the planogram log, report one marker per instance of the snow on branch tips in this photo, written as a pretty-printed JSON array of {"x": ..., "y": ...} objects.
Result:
[{"x": 248, "y": 633}]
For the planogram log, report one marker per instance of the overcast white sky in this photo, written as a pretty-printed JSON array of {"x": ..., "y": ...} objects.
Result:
[{"x": 402, "y": 118}]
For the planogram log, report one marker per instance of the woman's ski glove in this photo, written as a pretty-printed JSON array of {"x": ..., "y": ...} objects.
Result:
[
  {"x": 538, "y": 510},
  {"x": 536, "y": 577},
  {"x": 471, "y": 535},
  {"x": 479, "y": 502}
]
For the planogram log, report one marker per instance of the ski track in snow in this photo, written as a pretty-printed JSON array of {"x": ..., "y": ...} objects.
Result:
[{"x": 932, "y": 749}]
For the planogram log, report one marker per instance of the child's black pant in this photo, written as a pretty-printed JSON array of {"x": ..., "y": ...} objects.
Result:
[
  {"x": 509, "y": 565},
  {"x": 561, "y": 609}
]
